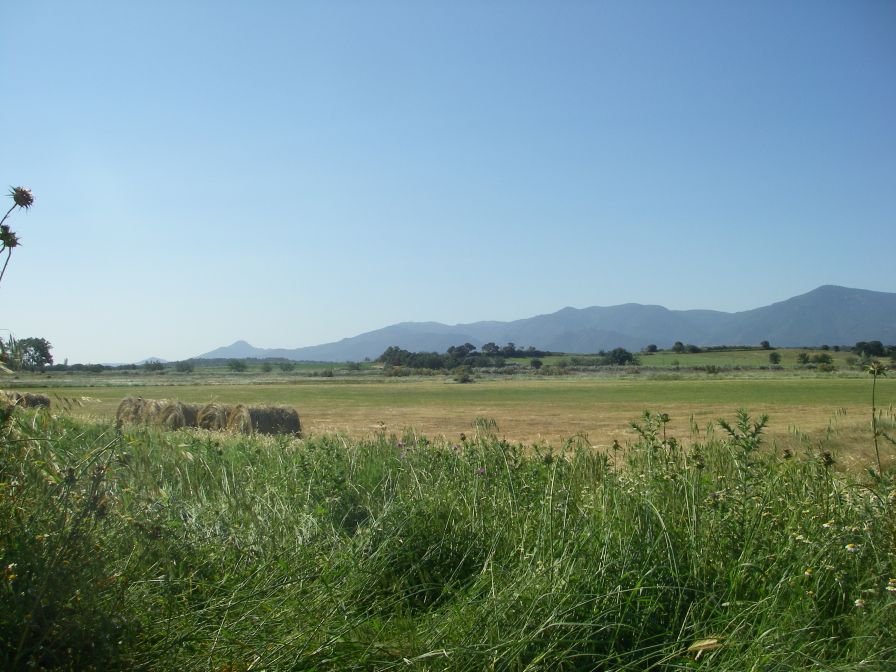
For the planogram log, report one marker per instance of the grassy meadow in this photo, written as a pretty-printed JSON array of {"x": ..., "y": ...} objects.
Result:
[
  {"x": 191, "y": 550},
  {"x": 633, "y": 520},
  {"x": 803, "y": 405}
]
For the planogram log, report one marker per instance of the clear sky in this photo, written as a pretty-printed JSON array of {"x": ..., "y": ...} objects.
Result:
[{"x": 292, "y": 173}]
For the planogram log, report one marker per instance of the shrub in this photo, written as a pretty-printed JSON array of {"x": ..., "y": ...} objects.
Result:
[{"x": 237, "y": 365}]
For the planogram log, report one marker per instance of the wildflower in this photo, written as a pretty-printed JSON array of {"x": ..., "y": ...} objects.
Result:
[
  {"x": 891, "y": 585},
  {"x": 481, "y": 471},
  {"x": 10, "y": 571},
  {"x": 852, "y": 548},
  {"x": 828, "y": 525},
  {"x": 22, "y": 196},
  {"x": 860, "y": 603},
  {"x": 809, "y": 571}
]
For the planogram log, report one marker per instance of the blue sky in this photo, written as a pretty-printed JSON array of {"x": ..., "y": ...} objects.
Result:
[{"x": 292, "y": 173}]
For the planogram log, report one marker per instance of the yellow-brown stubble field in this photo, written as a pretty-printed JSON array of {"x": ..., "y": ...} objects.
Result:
[{"x": 803, "y": 411}]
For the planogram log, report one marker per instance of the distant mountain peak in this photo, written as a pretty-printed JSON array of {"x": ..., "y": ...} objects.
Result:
[{"x": 829, "y": 314}]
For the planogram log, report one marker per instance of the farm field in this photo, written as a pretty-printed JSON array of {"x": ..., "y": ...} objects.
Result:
[
  {"x": 526, "y": 409},
  {"x": 190, "y": 550}
]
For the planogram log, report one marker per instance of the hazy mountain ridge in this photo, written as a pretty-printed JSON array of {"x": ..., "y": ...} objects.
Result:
[{"x": 827, "y": 315}]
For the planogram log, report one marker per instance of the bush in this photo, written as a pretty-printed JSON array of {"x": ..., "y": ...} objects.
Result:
[{"x": 237, "y": 365}]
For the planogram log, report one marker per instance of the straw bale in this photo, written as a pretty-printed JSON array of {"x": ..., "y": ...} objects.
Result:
[
  {"x": 13, "y": 398},
  {"x": 128, "y": 411},
  {"x": 151, "y": 411},
  {"x": 215, "y": 417},
  {"x": 36, "y": 400},
  {"x": 239, "y": 419},
  {"x": 275, "y": 420},
  {"x": 212, "y": 416},
  {"x": 27, "y": 400},
  {"x": 174, "y": 415}
]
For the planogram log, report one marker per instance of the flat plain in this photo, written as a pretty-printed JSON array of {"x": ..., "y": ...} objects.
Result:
[{"x": 804, "y": 408}]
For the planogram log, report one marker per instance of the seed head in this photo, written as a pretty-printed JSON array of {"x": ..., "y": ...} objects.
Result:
[
  {"x": 876, "y": 368},
  {"x": 22, "y": 197},
  {"x": 8, "y": 238}
]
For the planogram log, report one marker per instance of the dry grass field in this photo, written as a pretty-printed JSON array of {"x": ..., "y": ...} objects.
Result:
[{"x": 803, "y": 411}]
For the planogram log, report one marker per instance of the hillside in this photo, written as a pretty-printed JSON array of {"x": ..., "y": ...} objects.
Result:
[{"x": 829, "y": 314}]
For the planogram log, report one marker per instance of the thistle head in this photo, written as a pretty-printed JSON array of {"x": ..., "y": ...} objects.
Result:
[
  {"x": 876, "y": 368},
  {"x": 21, "y": 196},
  {"x": 8, "y": 238}
]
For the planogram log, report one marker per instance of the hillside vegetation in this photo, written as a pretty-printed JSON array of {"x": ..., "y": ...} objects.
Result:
[{"x": 200, "y": 551}]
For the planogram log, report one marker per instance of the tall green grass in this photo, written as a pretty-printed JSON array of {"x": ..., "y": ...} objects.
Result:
[{"x": 198, "y": 551}]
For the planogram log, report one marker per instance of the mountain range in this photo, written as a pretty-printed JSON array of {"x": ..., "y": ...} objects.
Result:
[{"x": 827, "y": 315}]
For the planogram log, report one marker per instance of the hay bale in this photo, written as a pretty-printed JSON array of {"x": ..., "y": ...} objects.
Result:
[
  {"x": 175, "y": 415},
  {"x": 239, "y": 419},
  {"x": 13, "y": 398},
  {"x": 212, "y": 416},
  {"x": 36, "y": 400},
  {"x": 128, "y": 411},
  {"x": 156, "y": 412},
  {"x": 275, "y": 420},
  {"x": 215, "y": 417},
  {"x": 151, "y": 411}
]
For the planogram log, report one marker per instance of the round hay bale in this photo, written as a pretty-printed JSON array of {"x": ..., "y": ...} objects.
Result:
[
  {"x": 36, "y": 400},
  {"x": 175, "y": 415},
  {"x": 128, "y": 412},
  {"x": 212, "y": 416},
  {"x": 13, "y": 398},
  {"x": 151, "y": 410},
  {"x": 275, "y": 420},
  {"x": 239, "y": 419}
]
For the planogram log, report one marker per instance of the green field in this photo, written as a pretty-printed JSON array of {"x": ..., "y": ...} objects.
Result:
[
  {"x": 194, "y": 551},
  {"x": 526, "y": 408}
]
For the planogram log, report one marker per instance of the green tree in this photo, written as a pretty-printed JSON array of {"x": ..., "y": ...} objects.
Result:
[
  {"x": 185, "y": 366},
  {"x": 620, "y": 357},
  {"x": 765, "y": 345},
  {"x": 153, "y": 365},
  {"x": 678, "y": 347},
  {"x": 870, "y": 349},
  {"x": 536, "y": 364},
  {"x": 30, "y": 353},
  {"x": 266, "y": 367},
  {"x": 237, "y": 365},
  {"x": 286, "y": 367},
  {"x": 774, "y": 358}
]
